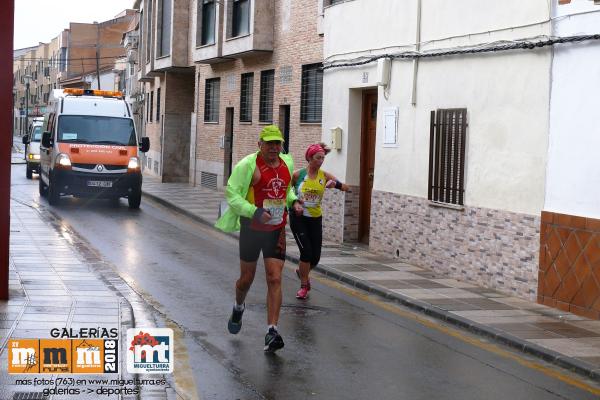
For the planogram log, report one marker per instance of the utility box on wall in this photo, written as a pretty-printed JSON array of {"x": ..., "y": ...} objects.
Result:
[
  {"x": 384, "y": 66},
  {"x": 336, "y": 138}
]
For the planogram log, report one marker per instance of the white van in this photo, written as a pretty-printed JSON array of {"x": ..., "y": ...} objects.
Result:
[
  {"x": 32, "y": 147},
  {"x": 90, "y": 148}
]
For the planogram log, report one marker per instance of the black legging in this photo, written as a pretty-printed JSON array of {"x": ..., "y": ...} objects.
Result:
[{"x": 308, "y": 233}]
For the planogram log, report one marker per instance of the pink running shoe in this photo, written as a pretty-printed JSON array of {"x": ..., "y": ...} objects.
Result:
[
  {"x": 302, "y": 293},
  {"x": 307, "y": 282}
]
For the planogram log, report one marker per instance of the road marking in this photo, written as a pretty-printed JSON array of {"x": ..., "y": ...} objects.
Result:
[{"x": 492, "y": 348}]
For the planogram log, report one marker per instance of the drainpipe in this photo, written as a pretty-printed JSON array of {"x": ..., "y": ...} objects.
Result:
[
  {"x": 196, "y": 124},
  {"x": 413, "y": 99}
]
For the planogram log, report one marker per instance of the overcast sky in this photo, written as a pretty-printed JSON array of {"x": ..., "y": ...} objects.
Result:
[{"x": 42, "y": 20}]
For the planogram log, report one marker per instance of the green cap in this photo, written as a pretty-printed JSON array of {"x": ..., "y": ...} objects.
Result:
[{"x": 271, "y": 133}]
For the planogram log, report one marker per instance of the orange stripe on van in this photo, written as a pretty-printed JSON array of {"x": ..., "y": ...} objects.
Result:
[{"x": 82, "y": 153}]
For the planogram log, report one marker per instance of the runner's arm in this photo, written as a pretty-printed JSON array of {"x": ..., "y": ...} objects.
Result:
[
  {"x": 338, "y": 185},
  {"x": 236, "y": 185}
]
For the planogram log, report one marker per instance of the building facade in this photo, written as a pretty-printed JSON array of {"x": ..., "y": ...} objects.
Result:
[
  {"x": 446, "y": 154},
  {"x": 166, "y": 74},
  {"x": 569, "y": 275},
  {"x": 258, "y": 63},
  {"x": 71, "y": 59}
]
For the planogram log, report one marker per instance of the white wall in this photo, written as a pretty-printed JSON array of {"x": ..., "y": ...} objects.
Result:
[
  {"x": 107, "y": 81},
  {"x": 573, "y": 180},
  {"x": 506, "y": 96}
]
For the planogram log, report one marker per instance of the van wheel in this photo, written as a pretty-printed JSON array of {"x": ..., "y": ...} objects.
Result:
[
  {"x": 43, "y": 189},
  {"x": 53, "y": 194},
  {"x": 28, "y": 172},
  {"x": 134, "y": 199}
]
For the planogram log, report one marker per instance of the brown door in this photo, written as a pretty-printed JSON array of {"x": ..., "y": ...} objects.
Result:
[
  {"x": 228, "y": 144},
  {"x": 367, "y": 162}
]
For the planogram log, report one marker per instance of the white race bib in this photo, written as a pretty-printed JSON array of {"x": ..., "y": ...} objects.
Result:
[{"x": 275, "y": 207}]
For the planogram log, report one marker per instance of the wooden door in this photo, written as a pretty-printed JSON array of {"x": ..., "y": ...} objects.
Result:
[
  {"x": 367, "y": 162},
  {"x": 228, "y": 144}
]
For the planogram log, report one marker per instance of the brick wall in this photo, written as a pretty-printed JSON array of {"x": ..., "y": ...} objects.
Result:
[
  {"x": 296, "y": 42},
  {"x": 492, "y": 248}
]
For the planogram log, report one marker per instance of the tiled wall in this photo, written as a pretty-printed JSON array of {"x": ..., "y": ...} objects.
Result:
[
  {"x": 569, "y": 274},
  {"x": 492, "y": 248},
  {"x": 340, "y": 215}
]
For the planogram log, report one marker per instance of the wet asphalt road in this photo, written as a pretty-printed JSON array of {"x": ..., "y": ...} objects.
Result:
[{"x": 337, "y": 345}]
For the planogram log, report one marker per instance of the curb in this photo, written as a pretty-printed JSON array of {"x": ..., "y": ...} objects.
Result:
[{"x": 551, "y": 356}]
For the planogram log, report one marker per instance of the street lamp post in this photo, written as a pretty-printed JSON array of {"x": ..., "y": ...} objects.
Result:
[
  {"x": 20, "y": 130},
  {"x": 27, "y": 78}
]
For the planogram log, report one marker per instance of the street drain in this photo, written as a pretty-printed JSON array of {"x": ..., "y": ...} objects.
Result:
[{"x": 29, "y": 396}]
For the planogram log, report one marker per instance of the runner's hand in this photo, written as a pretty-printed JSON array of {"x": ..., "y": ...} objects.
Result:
[
  {"x": 265, "y": 217},
  {"x": 330, "y": 184},
  {"x": 297, "y": 207}
]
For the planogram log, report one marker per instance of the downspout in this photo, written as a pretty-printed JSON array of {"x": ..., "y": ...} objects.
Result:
[
  {"x": 413, "y": 99},
  {"x": 196, "y": 125}
]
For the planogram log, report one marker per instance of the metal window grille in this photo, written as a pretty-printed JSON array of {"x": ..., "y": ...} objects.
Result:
[
  {"x": 447, "y": 155},
  {"x": 208, "y": 180},
  {"x": 311, "y": 101},
  {"x": 267, "y": 87},
  {"x": 158, "y": 104},
  {"x": 211, "y": 100},
  {"x": 247, "y": 87},
  {"x": 241, "y": 18}
]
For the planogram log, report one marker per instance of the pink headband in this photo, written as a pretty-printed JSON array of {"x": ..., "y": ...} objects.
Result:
[{"x": 312, "y": 150}]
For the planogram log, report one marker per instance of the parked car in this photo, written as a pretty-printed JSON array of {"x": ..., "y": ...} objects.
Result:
[
  {"x": 32, "y": 148},
  {"x": 90, "y": 148}
]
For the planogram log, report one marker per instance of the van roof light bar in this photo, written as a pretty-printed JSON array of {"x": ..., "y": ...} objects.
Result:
[{"x": 92, "y": 92}]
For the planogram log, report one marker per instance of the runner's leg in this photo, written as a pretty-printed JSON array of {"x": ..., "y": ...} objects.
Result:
[{"x": 273, "y": 268}]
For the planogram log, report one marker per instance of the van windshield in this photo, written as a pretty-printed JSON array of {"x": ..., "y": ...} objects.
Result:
[
  {"x": 36, "y": 135},
  {"x": 96, "y": 129}
]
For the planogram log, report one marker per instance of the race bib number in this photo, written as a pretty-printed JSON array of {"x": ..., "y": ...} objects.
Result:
[
  {"x": 275, "y": 207},
  {"x": 311, "y": 200}
]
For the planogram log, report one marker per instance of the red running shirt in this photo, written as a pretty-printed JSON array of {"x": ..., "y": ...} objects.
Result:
[{"x": 270, "y": 193}]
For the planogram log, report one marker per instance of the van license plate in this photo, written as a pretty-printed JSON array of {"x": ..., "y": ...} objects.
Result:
[{"x": 100, "y": 183}]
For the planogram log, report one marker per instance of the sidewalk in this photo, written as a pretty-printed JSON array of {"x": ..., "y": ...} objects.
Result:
[
  {"x": 18, "y": 151},
  {"x": 57, "y": 281},
  {"x": 560, "y": 337}
]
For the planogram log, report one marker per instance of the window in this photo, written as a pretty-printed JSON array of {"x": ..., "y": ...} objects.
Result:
[
  {"x": 241, "y": 18},
  {"x": 164, "y": 40},
  {"x": 157, "y": 104},
  {"x": 205, "y": 33},
  {"x": 96, "y": 129},
  {"x": 151, "y": 105},
  {"x": 246, "y": 97},
  {"x": 211, "y": 100},
  {"x": 447, "y": 156},
  {"x": 311, "y": 101},
  {"x": 149, "y": 30},
  {"x": 147, "y": 107},
  {"x": 267, "y": 86}
]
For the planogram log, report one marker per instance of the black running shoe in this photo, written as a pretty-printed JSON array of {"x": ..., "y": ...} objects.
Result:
[
  {"x": 273, "y": 341},
  {"x": 235, "y": 321}
]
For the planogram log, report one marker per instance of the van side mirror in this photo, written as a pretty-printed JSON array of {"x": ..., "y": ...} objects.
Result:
[
  {"x": 144, "y": 144},
  {"x": 46, "y": 139},
  {"x": 26, "y": 139}
]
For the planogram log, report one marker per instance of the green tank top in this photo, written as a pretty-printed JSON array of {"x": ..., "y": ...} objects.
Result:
[{"x": 311, "y": 191}]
